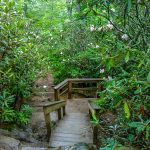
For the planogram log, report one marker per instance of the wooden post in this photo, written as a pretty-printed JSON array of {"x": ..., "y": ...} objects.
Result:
[
  {"x": 64, "y": 111},
  {"x": 56, "y": 94},
  {"x": 99, "y": 88},
  {"x": 59, "y": 113},
  {"x": 69, "y": 90},
  {"x": 95, "y": 132},
  {"x": 48, "y": 124},
  {"x": 95, "y": 129}
]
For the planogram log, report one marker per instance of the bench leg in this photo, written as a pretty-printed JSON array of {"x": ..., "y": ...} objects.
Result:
[
  {"x": 59, "y": 113},
  {"x": 48, "y": 125},
  {"x": 64, "y": 111},
  {"x": 95, "y": 133}
]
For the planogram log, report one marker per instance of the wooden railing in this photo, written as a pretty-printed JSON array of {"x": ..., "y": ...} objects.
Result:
[
  {"x": 68, "y": 86},
  {"x": 94, "y": 111},
  {"x": 58, "y": 106}
]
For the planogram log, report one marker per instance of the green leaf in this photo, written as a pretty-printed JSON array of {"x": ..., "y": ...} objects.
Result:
[
  {"x": 118, "y": 104},
  {"x": 147, "y": 132},
  {"x": 110, "y": 64},
  {"x": 148, "y": 77},
  {"x": 127, "y": 57},
  {"x": 129, "y": 4},
  {"x": 126, "y": 110}
]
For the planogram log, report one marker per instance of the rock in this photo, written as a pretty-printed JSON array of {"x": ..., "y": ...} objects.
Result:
[
  {"x": 84, "y": 146},
  {"x": 24, "y": 135},
  {"x": 33, "y": 148},
  {"x": 38, "y": 148},
  {"x": 8, "y": 143},
  {"x": 5, "y": 147},
  {"x": 79, "y": 146},
  {"x": 5, "y": 132}
]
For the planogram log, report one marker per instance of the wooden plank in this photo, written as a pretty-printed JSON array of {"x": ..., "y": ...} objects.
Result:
[
  {"x": 77, "y": 139},
  {"x": 94, "y": 110},
  {"x": 53, "y": 106},
  {"x": 69, "y": 90},
  {"x": 72, "y": 130},
  {"x": 56, "y": 94},
  {"x": 64, "y": 110},
  {"x": 62, "y": 84},
  {"x": 75, "y": 126},
  {"x": 53, "y": 103},
  {"x": 95, "y": 134},
  {"x": 86, "y": 89},
  {"x": 69, "y": 135},
  {"x": 59, "y": 113},
  {"x": 72, "y": 125},
  {"x": 48, "y": 124},
  {"x": 59, "y": 143},
  {"x": 91, "y": 109},
  {"x": 93, "y": 105},
  {"x": 63, "y": 92},
  {"x": 86, "y": 80}
]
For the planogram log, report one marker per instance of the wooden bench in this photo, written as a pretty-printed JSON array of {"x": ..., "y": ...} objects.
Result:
[
  {"x": 94, "y": 110},
  {"x": 58, "y": 106}
]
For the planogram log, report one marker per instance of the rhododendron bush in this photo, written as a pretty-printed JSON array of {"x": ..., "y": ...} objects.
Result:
[
  {"x": 107, "y": 39},
  {"x": 111, "y": 40}
]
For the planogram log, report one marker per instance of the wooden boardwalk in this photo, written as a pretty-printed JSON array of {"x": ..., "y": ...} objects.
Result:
[{"x": 75, "y": 127}]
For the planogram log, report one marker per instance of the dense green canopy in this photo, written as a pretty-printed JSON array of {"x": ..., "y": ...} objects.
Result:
[{"x": 76, "y": 39}]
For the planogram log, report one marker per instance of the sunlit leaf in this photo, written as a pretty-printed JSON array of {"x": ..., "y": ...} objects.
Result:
[
  {"x": 148, "y": 77},
  {"x": 127, "y": 57},
  {"x": 127, "y": 110}
]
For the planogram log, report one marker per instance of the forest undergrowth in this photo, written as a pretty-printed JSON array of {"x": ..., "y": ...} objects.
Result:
[{"x": 80, "y": 39}]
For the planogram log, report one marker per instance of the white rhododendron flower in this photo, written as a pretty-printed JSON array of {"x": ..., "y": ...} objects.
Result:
[
  {"x": 110, "y": 26},
  {"x": 100, "y": 28},
  {"x": 102, "y": 70},
  {"x": 67, "y": 20},
  {"x": 44, "y": 86},
  {"x": 124, "y": 37},
  {"x": 112, "y": 9},
  {"x": 109, "y": 78},
  {"x": 97, "y": 46},
  {"x": 61, "y": 53},
  {"x": 92, "y": 28}
]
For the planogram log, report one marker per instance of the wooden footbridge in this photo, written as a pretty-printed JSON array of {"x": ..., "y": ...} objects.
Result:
[{"x": 73, "y": 124}]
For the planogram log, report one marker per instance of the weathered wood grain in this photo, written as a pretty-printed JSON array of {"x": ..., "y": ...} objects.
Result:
[
  {"x": 48, "y": 108},
  {"x": 75, "y": 127}
]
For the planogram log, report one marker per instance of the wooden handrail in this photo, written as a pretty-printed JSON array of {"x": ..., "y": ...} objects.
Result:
[
  {"x": 48, "y": 108},
  {"x": 86, "y": 80},
  {"x": 94, "y": 111},
  {"x": 58, "y": 89},
  {"x": 62, "y": 84}
]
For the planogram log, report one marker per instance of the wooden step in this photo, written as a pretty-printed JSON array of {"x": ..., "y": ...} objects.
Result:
[
  {"x": 47, "y": 94},
  {"x": 74, "y": 128}
]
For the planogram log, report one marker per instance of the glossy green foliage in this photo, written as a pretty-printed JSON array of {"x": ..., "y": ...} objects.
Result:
[{"x": 21, "y": 59}]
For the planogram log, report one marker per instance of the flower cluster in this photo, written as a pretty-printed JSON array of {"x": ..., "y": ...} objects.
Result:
[
  {"x": 124, "y": 37},
  {"x": 102, "y": 70},
  {"x": 92, "y": 28},
  {"x": 109, "y": 26}
]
